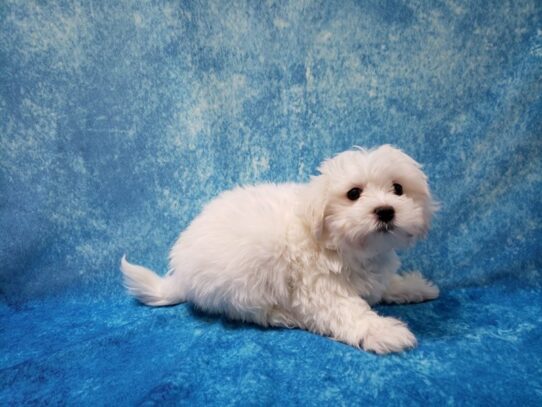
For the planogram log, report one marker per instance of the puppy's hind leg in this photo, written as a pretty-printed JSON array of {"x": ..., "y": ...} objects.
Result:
[{"x": 409, "y": 288}]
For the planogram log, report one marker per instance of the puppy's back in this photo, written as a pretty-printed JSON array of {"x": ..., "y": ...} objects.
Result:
[{"x": 233, "y": 256}]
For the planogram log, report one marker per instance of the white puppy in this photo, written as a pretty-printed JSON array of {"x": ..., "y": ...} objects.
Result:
[{"x": 313, "y": 256}]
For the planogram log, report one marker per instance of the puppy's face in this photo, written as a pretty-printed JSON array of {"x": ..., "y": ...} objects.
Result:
[{"x": 372, "y": 201}]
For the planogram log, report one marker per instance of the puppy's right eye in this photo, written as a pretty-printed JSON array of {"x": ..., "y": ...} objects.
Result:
[{"x": 354, "y": 194}]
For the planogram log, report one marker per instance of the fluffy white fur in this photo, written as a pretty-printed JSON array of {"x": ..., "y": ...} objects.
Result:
[{"x": 304, "y": 255}]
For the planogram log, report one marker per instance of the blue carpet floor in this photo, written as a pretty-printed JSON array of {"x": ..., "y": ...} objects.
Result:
[{"x": 119, "y": 120}]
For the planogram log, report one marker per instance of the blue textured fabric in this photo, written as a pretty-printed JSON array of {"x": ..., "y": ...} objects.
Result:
[{"x": 119, "y": 120}]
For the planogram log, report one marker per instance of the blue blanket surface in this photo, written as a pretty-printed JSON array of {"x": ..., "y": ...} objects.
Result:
[{"x": 120, "y": 120}]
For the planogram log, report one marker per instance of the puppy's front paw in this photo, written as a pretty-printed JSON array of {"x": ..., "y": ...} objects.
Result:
[
  {"x": 410, "y": 288},
  {"x": 430, "y": 292},
  {"x": 420, "y": 288},
  {"x": 386, "y": 335}
]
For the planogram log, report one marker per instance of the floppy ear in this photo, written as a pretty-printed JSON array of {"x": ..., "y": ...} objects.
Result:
[
  {"x": 316, "y": 204},
  {"x": 430, "y": 206}
]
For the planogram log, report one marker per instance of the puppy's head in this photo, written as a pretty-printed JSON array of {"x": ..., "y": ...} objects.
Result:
[{"x": 369, "y": 200}]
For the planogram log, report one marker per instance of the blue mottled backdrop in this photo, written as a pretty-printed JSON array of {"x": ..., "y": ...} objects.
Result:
[{"x": 119, "y": 120}]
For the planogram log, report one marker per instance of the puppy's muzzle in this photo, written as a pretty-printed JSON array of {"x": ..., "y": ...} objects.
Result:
[{"x": 385, "y": 213}]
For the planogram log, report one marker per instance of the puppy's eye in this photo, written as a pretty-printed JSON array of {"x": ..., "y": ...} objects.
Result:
[
  {"x": 397, "y": 189},
  {"x": 354, "y": 194}
]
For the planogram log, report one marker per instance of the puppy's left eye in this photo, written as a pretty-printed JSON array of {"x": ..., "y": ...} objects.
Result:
[{"x": 397, "y": 189}]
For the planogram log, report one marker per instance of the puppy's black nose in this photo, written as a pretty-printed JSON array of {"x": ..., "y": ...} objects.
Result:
[{"x": 385, "y": 213}]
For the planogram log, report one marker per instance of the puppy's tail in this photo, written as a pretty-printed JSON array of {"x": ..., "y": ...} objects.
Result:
[{"x": 148, "y": 287}]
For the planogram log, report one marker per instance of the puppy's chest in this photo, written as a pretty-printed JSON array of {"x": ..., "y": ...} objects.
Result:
[{"x": 369, "y": 281}]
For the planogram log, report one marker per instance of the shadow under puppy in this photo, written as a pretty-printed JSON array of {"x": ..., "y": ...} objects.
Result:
[{"x": 314, "y": 256}]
